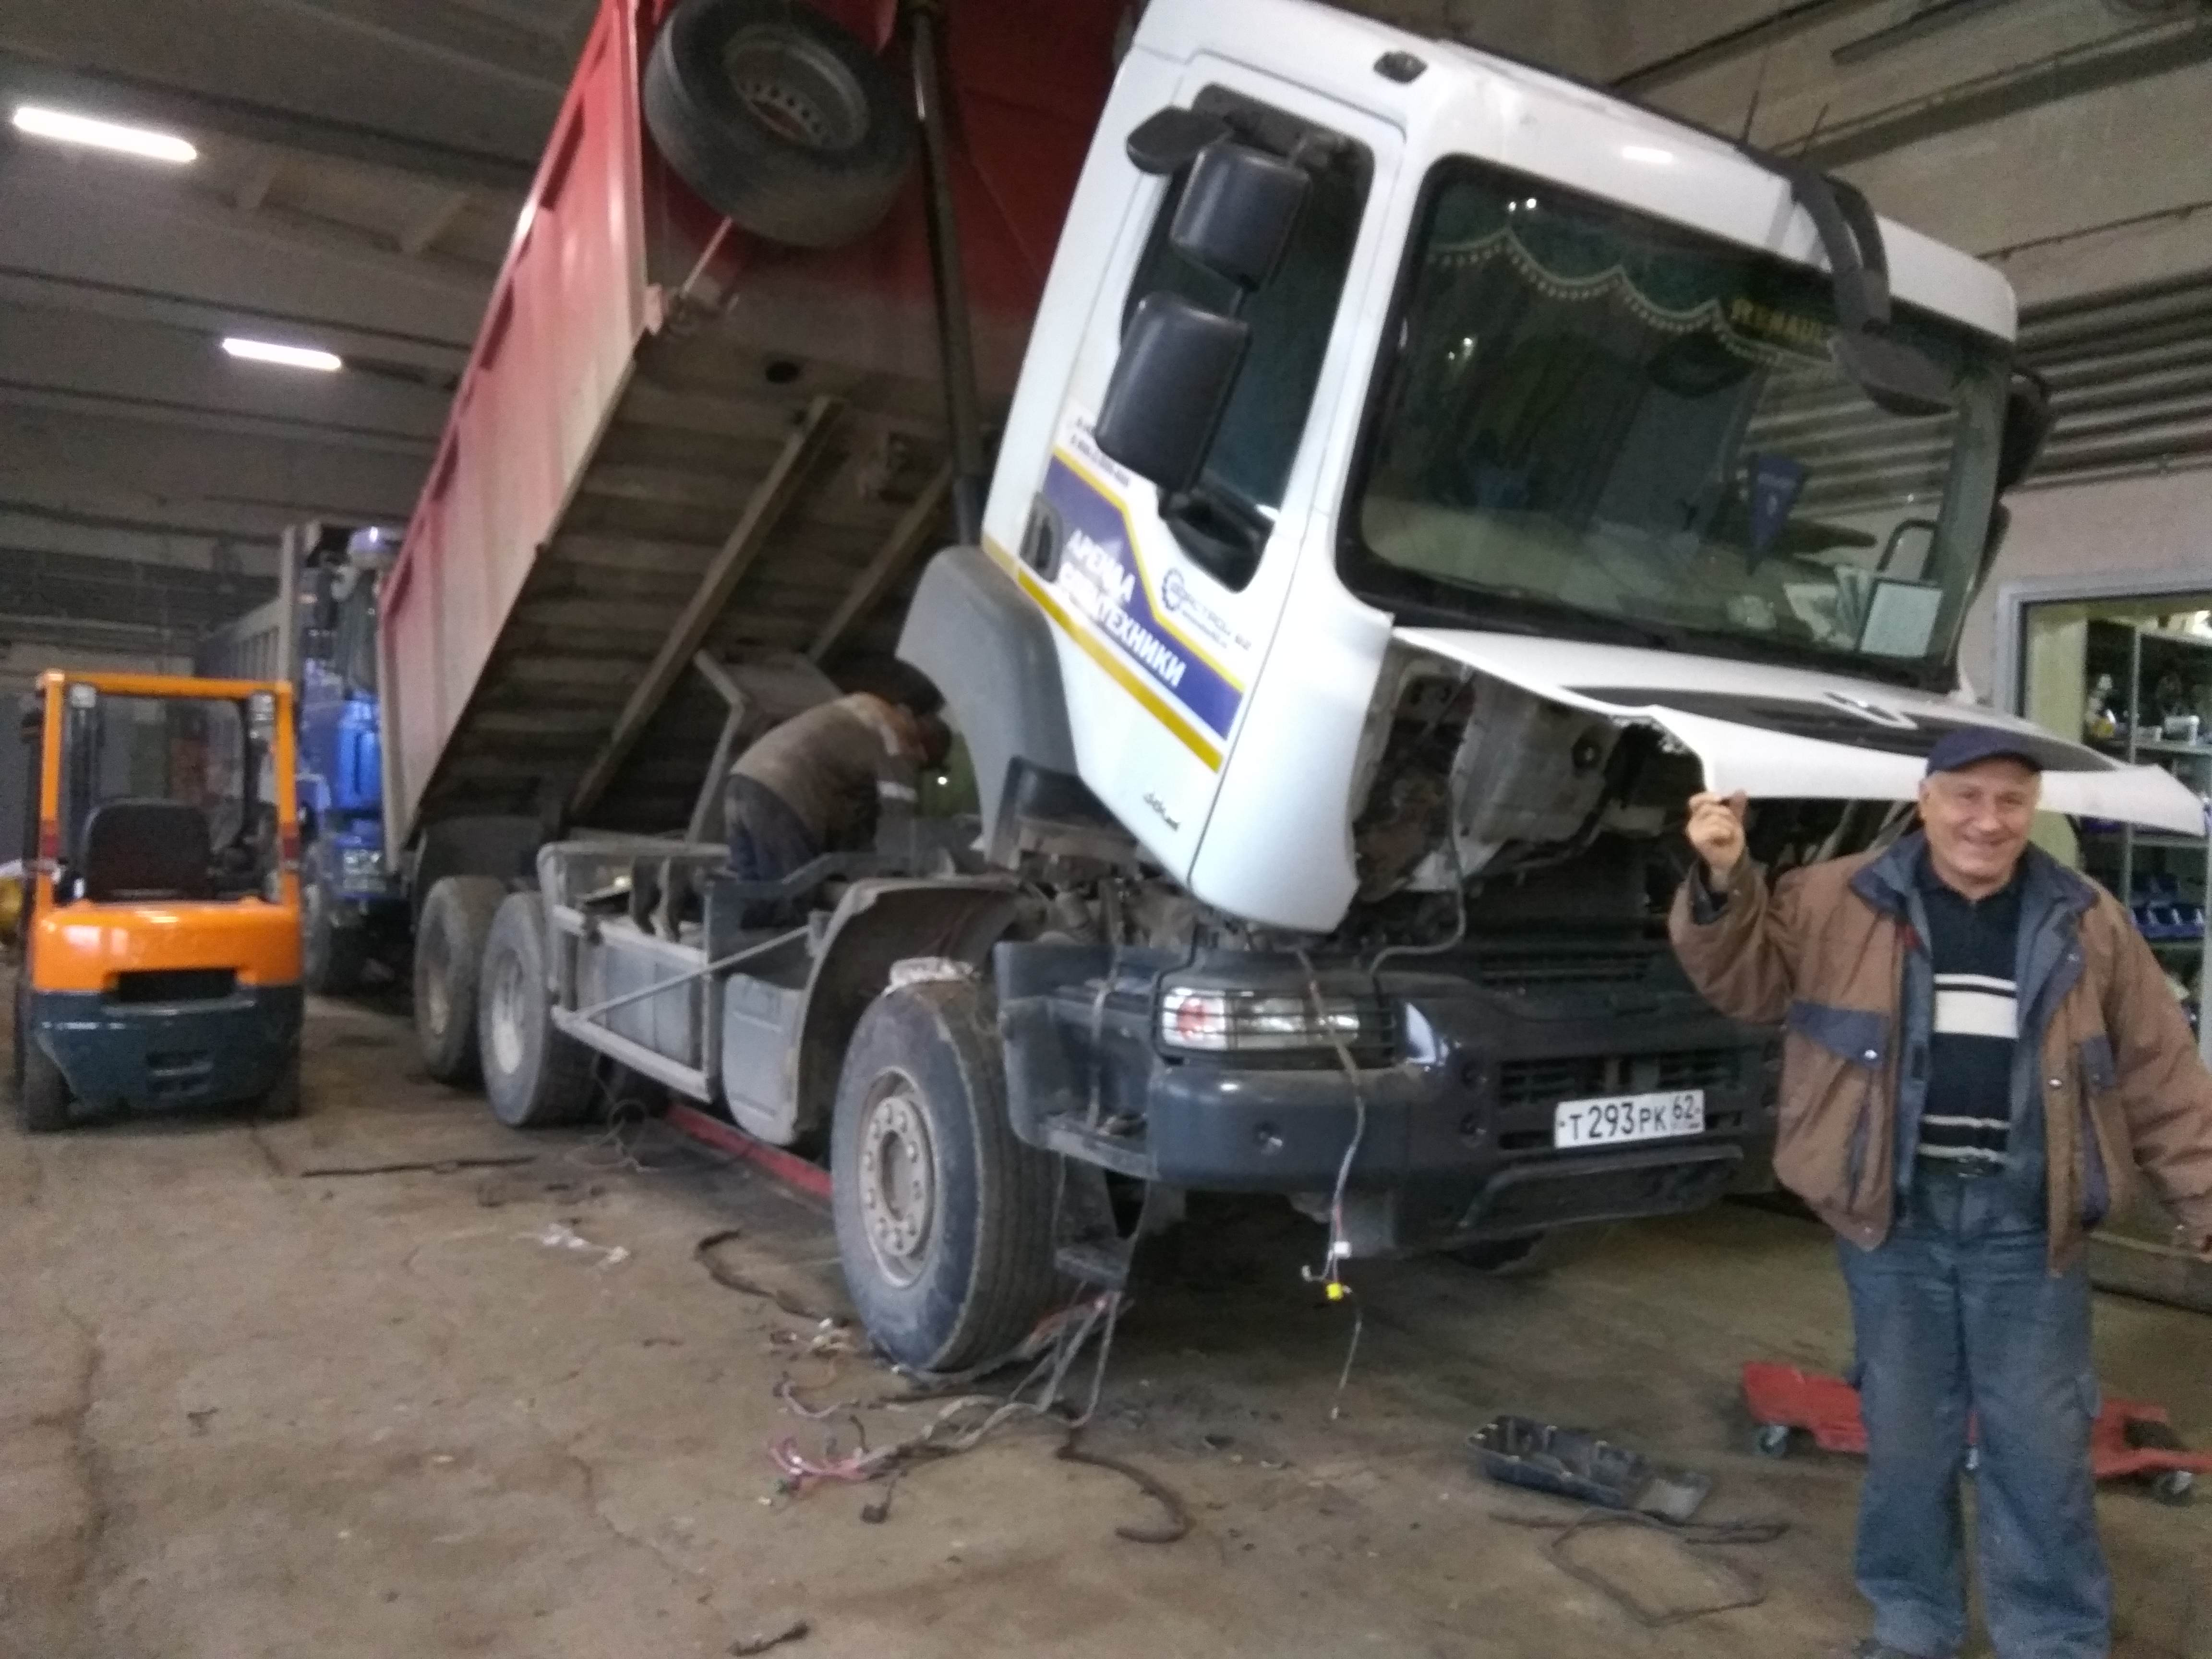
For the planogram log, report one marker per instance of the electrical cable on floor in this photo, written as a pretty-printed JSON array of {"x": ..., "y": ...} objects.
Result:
[
  {"x": 1695, "y": 1535},
  {"x": 1331, "y": 1277},
  {"x": 949, "y": 1433}
]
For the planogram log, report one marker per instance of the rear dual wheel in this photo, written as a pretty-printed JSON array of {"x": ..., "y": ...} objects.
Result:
[
  {"x": 449, "y": 952},
  {"x": 535, "y": 1074}
]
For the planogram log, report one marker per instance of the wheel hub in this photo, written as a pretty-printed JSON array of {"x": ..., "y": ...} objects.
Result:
[
  {"x": 796, "y": 89},
  {"x": 898, "y": 1184}
]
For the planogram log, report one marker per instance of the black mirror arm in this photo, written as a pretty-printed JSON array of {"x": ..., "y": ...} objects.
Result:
[{"x": 1852, "y": 237}]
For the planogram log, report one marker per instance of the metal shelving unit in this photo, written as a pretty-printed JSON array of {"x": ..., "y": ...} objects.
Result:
[{"x": 2120, "y": 856}]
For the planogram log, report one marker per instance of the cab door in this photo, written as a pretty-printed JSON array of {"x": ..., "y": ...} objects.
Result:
[{"x": 1165, "y": 601}]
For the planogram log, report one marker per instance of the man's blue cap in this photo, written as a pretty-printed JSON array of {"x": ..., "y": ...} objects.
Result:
[{"x": 1969, "y": 745}]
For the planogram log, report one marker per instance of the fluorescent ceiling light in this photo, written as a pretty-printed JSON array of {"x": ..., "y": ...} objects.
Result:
[
  {"x": 1649, "y": 155},
  {"x": 291, "y": 356},
  {"x": 42, "y": 122}
]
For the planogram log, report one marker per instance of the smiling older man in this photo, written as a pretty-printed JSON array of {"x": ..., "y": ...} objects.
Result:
[{"x": 1981, "y": 1052}]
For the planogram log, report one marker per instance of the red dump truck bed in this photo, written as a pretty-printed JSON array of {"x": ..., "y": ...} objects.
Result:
[{"x": 666, "y": 425}]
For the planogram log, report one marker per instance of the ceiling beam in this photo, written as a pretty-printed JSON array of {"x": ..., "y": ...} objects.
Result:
[
  {"x": 112, "y": 94},
  {"x": 253, "y": 189},
  {"x": 1787, "y": 22},
  {"x": 124, "y": 303},
  {"x": 473, "y": 42},
  {"x": 2116, "y": 60},
  {"x": 417, "y": 237},
  {"x": 203, "y": 418}
]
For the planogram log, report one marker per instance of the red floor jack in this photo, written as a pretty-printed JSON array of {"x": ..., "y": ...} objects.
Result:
[{"x": 2130, "y": 1441}]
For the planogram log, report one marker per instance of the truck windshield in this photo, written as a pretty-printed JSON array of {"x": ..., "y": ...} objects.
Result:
[{"x": 1599, "y": 422}]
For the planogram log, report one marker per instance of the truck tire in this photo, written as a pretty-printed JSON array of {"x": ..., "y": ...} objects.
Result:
[
  {"x": 535, "y": 1075},
  {"x": 1514, "y": 1258},
  {"x": 41, "y": 1092},
  {"x": 332, "y": 959},
  {"x": 280, "y": 1102},
  {"x": 449, "y": 947},
  {"x": 943, "y": 1218},
  {"x": 778, "y": 118}
]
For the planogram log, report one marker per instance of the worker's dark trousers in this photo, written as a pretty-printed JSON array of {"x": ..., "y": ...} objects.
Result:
[
  {"x": 768, "y": 842},
  {"x": 1958, "y": 1314}
]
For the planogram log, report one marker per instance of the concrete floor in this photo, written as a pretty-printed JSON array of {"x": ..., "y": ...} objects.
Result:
[{"x": 246, "y": 1410}]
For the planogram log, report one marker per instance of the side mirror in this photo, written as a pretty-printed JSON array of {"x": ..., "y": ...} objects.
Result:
[
  {"x": 1897, "y": 378},
  {"x": 2027, "y": 424},
  {"x": 1237, "y": 211},
  {"x": 1169, "y": 387}
]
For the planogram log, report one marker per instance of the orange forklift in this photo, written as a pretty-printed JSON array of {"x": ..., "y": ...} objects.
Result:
[{"x": 161, "y": 936}]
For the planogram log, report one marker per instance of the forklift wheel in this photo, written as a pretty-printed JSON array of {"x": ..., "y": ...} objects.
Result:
[
  {"x": 535, "y": 1075},
  {"x": 449, "y": 947},
  {"x": 41, "y": 1092},
  {"x": 282, "y": 1099},
  {"x": 943, "y": 1218}
]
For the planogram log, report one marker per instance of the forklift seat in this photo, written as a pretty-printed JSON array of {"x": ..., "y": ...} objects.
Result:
[{"x": 146, "y": 850}]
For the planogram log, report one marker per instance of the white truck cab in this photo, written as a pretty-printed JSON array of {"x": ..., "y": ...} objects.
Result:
[{"x": 1517, "y": 383}]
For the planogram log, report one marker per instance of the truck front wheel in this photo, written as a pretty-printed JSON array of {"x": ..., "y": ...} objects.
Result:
[
  {"x": 535, "y": 1075},
  {"x": 943, "y": 1218},
  {"x": 449, "y": 950},
  {"x": 332, "y": 959}
]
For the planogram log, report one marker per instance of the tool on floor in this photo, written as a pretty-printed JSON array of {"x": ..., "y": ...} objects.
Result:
[
  {"x": 2131, "y": 1440},
  {"x": 1520, "y": 1451}
]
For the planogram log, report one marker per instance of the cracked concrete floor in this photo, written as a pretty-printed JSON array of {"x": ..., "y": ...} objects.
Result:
[{"x": 249, "y": 1411}]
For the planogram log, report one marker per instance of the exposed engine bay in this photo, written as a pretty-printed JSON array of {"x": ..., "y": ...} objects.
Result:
[{"x": 1540, "y": 813}]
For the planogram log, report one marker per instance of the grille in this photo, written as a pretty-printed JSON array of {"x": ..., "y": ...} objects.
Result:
[
  {"x": 1543, "y": 1082},
  {"x": 175, "y": 985},
  {"x": 1608, "y": 968}
]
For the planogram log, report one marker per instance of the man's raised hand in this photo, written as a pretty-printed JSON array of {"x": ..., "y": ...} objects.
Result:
[{"x": 1715, "y": 832}]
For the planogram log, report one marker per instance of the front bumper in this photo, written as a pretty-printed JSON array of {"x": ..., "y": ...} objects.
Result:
[
  {"x": 154, "y": 1054},
  {"x": 1456, "y": 1145}
]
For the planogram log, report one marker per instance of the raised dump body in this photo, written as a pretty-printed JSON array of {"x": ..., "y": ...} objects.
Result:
[{"x": 671, "y": 436}]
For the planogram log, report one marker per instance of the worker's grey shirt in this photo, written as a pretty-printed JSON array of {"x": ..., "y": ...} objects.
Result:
[{"x": 827, "y": 765}]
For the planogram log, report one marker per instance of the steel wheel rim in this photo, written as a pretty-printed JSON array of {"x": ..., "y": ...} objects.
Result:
[
  {"x": 507, "y": 1015},
  {"x": 796, "y": 88},
  {"x": 898, "y": 1183}
]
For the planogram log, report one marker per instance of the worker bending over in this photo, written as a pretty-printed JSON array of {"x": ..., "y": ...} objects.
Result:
[{"x": 821, "y": 781}]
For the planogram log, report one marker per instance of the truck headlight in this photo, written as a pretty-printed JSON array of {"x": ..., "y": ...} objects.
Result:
[
  {"x": 1247, "y": 1021},
  {"x": 360, "y": 864}
]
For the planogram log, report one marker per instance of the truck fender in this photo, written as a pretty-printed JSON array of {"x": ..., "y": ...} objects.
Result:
[
  {"x": 875, "y": 924},
  {"x": 501, "y": 846},
  {"x": 990, "y": 651}
]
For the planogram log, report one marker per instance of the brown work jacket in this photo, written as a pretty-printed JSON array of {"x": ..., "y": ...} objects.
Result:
[{"x": 1832, "y": 953}]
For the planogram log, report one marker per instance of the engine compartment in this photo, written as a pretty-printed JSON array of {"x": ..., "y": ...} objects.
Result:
[{"x": 1483, "y": 809}]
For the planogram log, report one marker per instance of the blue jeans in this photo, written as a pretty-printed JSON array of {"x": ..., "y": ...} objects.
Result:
[{"x": 1958, "y": 1314}]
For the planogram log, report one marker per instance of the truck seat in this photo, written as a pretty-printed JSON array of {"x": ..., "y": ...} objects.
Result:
[{"x": 146, "y": 850}]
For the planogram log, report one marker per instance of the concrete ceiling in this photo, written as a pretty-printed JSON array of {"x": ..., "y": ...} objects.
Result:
[{"x": 362, "y": 162}]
